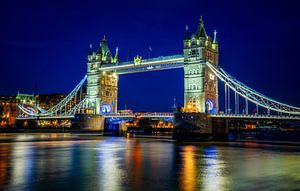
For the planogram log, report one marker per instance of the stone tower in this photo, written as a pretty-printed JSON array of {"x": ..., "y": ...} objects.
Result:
[
  {"x": 200, "y": 84},
  {"x": 102, "y": 87}
]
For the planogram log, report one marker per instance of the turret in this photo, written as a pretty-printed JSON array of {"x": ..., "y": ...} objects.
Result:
[
  {"x": 187, "y": 42},
  {"x": 215, "y": 45},
  {"x": 105, "y": 53},
  {"x": 99, "y": 49},
  {"x": 208, "y": 41},
  {"x": 116, "y": 58},
  {"x": 187, "y": 36},
  {"x": 90, "y": 54}
]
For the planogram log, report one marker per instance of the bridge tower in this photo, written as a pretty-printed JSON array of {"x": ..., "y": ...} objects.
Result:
[
  {"x": 200, "y": 84},
  {"x": 102, "y": 87}
]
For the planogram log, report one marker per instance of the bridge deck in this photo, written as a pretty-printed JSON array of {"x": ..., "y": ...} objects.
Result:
[{"x": 166, "y": 115}]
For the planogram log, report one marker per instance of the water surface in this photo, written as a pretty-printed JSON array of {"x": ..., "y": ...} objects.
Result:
[{"x": 65, "y": 162}]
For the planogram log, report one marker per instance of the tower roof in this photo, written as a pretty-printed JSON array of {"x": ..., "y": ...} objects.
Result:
[
  {"x": 215, "y": 41},
  {"x": 201, "y": 30},
  {"x": 187, "y": 36},
  {"x": 104, "y": 47},
  {"x": 90, "y": 50}
]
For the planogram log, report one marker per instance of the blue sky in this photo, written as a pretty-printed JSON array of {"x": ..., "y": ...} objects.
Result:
[{"x": 44, "y": 44}]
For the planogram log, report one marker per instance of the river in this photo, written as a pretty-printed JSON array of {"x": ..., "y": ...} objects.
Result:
[{"x": 82, "y": 162}]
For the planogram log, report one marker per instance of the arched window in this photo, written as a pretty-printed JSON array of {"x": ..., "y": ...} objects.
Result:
[{"x": 194, "y": 100}]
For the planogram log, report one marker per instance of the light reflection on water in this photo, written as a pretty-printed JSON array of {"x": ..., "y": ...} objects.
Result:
[{"x": 111, "y": 163}]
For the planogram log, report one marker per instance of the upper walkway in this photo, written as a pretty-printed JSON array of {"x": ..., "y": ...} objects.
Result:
[{"x": 145, "y": 65}]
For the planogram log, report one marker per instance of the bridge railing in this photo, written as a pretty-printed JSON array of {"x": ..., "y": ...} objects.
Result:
[
  {"x": 155, "y": 114},
  {"x": 257, "y": 116}
]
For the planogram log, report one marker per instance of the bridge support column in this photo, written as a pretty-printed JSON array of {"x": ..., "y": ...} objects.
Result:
[
  {"x": 199, "y": 127},
  {"x": 219, "y": 129},
  {"x": 247, "y": 110},
  {"x": 89, "y": 122},
  {"x": 192, "y": 126}
]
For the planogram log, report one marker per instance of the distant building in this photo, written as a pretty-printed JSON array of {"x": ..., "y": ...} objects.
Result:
[
  {"x": 47, "y": 101},
  {"x": 8, "y": 111}
]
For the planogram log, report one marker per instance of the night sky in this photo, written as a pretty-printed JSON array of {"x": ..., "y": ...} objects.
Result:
[{"x": 44, "y": 44}]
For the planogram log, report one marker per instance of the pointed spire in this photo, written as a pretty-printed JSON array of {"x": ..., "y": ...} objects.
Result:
[
  {"x": 99, "y": 49},
  {"x": 174, "y": 103},
  {"x": 215, "y": 41},
  {"x": 201, "y": 30},
  {"x": 116, "y": 58},
  {"x": 187, "y": 36},
  {"x": 91, "y": 49},
  {"x": 104, "y": 46},
  {"x": 117, "y": 51}
]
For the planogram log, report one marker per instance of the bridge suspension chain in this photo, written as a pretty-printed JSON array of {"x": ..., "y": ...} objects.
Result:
[
  {"x": 252, "y": 95},
  {"x": 62, "y": 105}
]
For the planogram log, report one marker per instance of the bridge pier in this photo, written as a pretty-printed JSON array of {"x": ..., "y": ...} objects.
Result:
[
  {"x": 198, "y": 127},
  {"x": 220, "y": 129},
  {"x": 89, "y": 122},
  {"x": 21, "y": 124}
]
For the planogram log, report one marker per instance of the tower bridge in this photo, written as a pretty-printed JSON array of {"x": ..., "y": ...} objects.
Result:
[{"x": 201, "y": 70}]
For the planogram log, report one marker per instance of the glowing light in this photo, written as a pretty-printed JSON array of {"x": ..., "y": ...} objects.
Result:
[
  {"x": 211, "y": 76},
  {"x": 188, "y": 176},
  {"x": 106, "y": 109}
]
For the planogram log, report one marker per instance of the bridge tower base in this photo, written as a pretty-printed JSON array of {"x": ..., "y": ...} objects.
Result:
[
  {"x": 198, "y": 127},
  {"x": 89, "y": 122}
]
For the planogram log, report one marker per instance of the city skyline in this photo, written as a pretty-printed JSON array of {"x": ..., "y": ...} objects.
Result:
[{"x": 43, "y": 61}]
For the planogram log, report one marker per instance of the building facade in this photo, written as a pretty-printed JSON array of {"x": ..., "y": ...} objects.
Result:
[
  {"x": 8, "y": 111},
  {"x": 47, "y": 101},
  {"x": 200, "y": 84}
]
